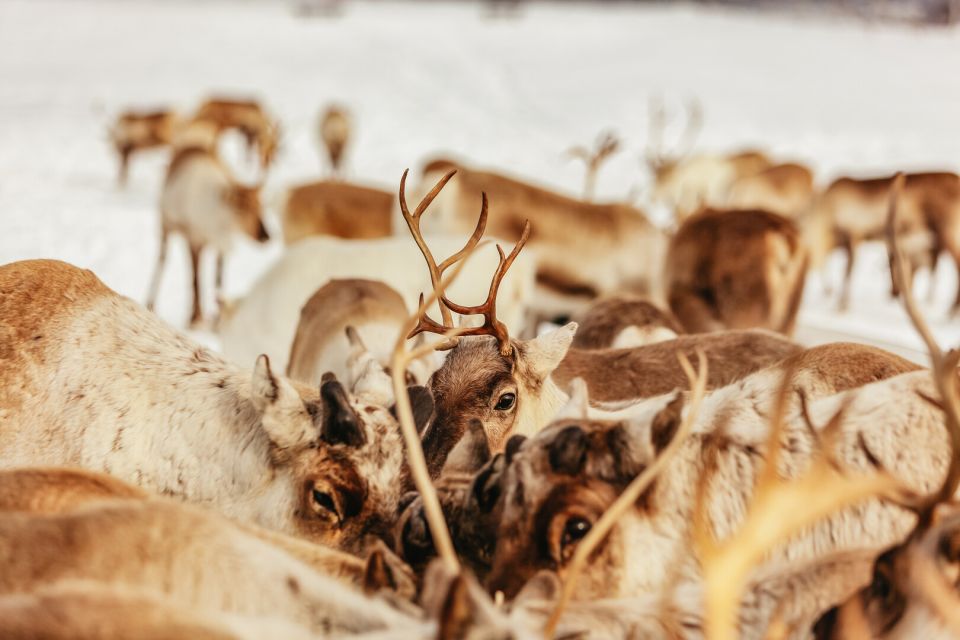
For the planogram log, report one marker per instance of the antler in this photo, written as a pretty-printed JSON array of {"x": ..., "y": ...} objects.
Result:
[
  {"x": 944, "y": 366},
  {"x": 491, "y": 326},
  {"x": 658, "y": 124}
]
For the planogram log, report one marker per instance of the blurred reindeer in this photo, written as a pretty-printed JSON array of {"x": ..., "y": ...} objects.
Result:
[
  {"x": 334, "y": 129},
  {"x": 688, "y": 182},
  {"x": 605, "y": 146},
  {"x": 135, "y": 131},
  {"x": 249, "y": 118}
]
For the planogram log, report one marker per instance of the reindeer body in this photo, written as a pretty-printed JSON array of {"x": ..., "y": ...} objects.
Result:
[
  {"x": 704, "y": 180},
  {"x": 137, "y": 131},
  {"x": 92, "y": 380},
  {"x": 616, "y": 246},
  {"x": 265, "y": 321},
  {"x": 335, "y": 208},
  {"x": 202, "y": 202},
  {"x": 784, "y": 189},
  {"x": 375, "y": 311},
  {"x": 249, "y": 118},
  {"x": 736, "y": 270},
  {"x": 334, "y": 133},
  {"x": 192, "y": 558},
  {"x": 854, "y": 211},
  {"x": 621, "y": 322}
]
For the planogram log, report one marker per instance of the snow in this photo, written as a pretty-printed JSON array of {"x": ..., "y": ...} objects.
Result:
[{"x": 431, "y": 77}]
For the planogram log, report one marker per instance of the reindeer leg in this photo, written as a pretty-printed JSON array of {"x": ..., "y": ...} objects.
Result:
[
  {"x": 196, "y": 315},
  {"x": 849, "y": 244},
  {"x": 934, "y": 261},
  {"x": 158, "y": 271},
  {"x": 125, "y": 153},
  {"x": 218, "y": 288}
]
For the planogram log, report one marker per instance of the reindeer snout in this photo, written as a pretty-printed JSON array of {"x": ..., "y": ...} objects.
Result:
[{"x": 262, "y": 235}]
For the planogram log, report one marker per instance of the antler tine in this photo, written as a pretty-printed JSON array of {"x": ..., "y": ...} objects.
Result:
[
  {"x": 472, "y": 240},
  {"x": 656, "y": 122},
  {"x": 413, "y": 223},
  {"x": 488, "y": 309},
  {"x": 694, "y": 124}
]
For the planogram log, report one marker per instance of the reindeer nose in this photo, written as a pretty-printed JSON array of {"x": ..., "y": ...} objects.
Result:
[{"x": 262, "y": 235}]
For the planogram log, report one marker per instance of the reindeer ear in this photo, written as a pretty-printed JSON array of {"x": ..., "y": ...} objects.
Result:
[
  {"x": 282, "y": 412},
  {"x": 471, "y": 453},
  {"x": 341, "y": 424},
  {"x": 457, "y": 613},
  {"x": 577, "y": 405},
  {"x": 421, "y": 402},
  {"x": 384, "y": 570},
  {"x": 544, "y": 353},
  {"x": 568, "y": 451},
  {"x": 543, "y": 587},
  {"x": 366, "y": 375},
  {"x": 513, "y": 445},
  {"x": 486, "y": 486},
  {"x": 666, "y": 423}
]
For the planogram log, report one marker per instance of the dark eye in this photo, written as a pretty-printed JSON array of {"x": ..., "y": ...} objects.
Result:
[
  {"x": 505, "y": 402},
  {"x": 573, "y": 532},
  {"x": 324, "y": 503}
]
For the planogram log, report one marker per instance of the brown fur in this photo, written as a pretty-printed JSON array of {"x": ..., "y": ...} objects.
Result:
[
  {"x": 736, "y": 270},
  {"x": 248, "y": 117},
  {"x": 784, "y": 189},
  {"x": 605, "y": 319},
  {"x": 338, "y": 209},
  {"x": 138, "y": 131},
  {"x": 652, "y": 370}
]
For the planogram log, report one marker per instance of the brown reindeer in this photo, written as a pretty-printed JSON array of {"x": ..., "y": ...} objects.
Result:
[
  {"x": 624, "y": 321},
  {"x": 335, "y": 208},
  {"x": 736, "y": 270},
  {"x": 136, "y": 131},
  {"x": 515, "y": 386},
  {"x": 784, "y": 189},
  {"x": 203, "y": 202},
  {"x": 854, "y": 211},
  {"x": 249, "y": 118},
  {"x": 334, "y": 132},
  {"x": 605, "y": 146},
  {"x": 618, "y": 249}
]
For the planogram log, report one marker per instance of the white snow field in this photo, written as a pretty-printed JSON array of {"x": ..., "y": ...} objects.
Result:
[{"x": 430, "y": 77}]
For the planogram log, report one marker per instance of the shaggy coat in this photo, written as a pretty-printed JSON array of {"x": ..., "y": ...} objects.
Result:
[{"x": 334, "y": 208}]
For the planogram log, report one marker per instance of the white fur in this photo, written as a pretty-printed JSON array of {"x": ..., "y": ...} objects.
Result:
[
  {"x": 265, "y": 320},
  {"x": 192, "y": 203}
]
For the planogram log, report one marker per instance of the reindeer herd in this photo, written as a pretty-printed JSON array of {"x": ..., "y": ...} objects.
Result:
[{"x": 610, "y": 433}]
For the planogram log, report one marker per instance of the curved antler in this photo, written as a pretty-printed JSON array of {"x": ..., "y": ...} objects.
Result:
[{"x": 488, "y": 309}]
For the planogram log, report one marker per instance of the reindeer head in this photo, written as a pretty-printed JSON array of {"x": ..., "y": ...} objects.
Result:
[
  {"x": 487, "y": 376},
  {"x": 338, "y": 460},
  {"x": 245, "y": 203},
  {"x": 559, "y": 484}
]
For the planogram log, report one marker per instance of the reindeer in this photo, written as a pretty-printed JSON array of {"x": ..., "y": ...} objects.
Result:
[
  {"x": 91, "y": 380},
  {"x": 783, "y": 189},
  {"x": 204, "y": 203},
  {"x": 336, "y": 208},
  {"x": 249, "y": 118},
  {"x": 334, "y": 133},
  {"x": 471, "y": 482},
  {"x": 736, "y": 270},
  {"x": 345, "y": 316},
  {"x": 624, "y": 321},
  {"x": 686, "y": 182},
  {"x": 136, "y": 131},
  {"x": 193, "y": 558},
  {"x": 605, "y": 146},
  {"x": 618, "y": 249},
  {"x": 515, "y": 386},
  {"x": 853, "y": 211}
]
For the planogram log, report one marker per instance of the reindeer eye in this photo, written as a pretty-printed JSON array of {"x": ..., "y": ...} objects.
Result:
[
  {"x": 324, "y": 503},
  {"x": 573, "y": 532},
  {"x": 506, "y": 402}
]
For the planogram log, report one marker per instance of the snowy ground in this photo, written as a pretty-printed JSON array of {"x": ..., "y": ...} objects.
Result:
[{"x": 438, "y": 77}]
